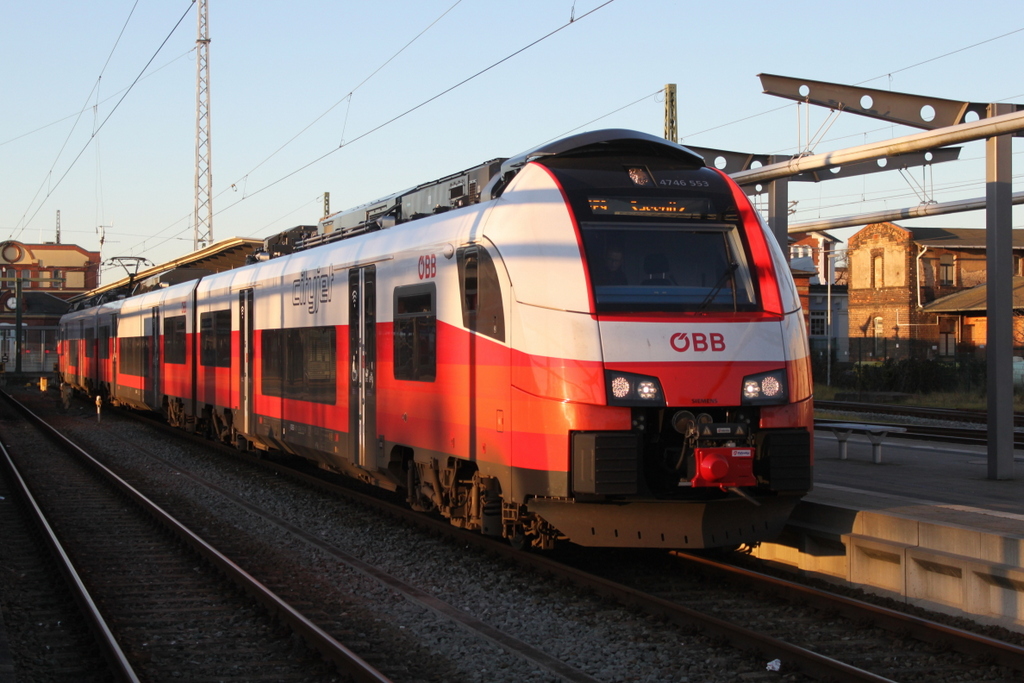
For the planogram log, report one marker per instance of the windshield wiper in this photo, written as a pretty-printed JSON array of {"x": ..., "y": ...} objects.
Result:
[{"x": 730, "y": 269}]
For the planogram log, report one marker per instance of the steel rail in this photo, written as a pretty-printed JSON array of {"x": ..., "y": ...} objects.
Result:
[
  {"x": 346, "y": 660},
  {"x": 925, "y": 630},
  {"x": 973, "y": 437},
  {"x": 802, "y": 659},
  {"x": 807, "y": 661},
  {"x": 955, "y": 414},
  {"x": 112, "y": 652}
]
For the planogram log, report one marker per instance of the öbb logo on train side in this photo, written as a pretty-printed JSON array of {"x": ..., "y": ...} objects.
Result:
[
  {"x": 427, "y": 266},
  {"x": 313, "y": 288},
  {"x": 681, "y": 342}
]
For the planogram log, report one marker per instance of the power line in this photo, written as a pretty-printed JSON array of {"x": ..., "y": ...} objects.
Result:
[
  {"x": 104, "y": 122},
  {"x": 408, "y": 111},
  {"x": 103, "y": 101},
  {"x": 424, "y": 102},
  {"x": 346, "y": 97},
  {"x": 94, "y": 89}
]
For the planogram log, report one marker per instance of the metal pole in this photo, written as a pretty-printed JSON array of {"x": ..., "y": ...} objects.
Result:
[
  {"x": 18, "y": 305},
  {"x": 964, "y": 132},
  {"x": 829, "y": 269},
  {"x": 671, "y": 133},
  {"x": 778, "y": 208},
  {"x": 999, "y": 257}
]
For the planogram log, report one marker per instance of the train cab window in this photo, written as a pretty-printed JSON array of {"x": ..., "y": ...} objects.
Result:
[
  {"x": 667, "y": 267},
  {"x": 415, "y": 331},
  {"x": 215, "y": 339},
  {"x": 174, "y": 339},
  {"x": 300, "y": 364},
  {"x": 482, "y": 307}
]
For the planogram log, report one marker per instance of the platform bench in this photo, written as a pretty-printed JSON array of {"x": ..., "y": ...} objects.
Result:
[{"x": 876, "y": 433}]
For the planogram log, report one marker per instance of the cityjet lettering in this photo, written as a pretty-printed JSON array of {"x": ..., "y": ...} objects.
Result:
[
  {"x": 313, "y": 288},
  {"x": 698, "y": 342}
]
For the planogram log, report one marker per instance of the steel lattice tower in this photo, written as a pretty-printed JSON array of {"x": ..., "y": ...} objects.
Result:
[{"x": 203, "y": 218}]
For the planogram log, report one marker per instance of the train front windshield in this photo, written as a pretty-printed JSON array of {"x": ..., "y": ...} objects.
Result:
[{"x": 671, "y": 266}]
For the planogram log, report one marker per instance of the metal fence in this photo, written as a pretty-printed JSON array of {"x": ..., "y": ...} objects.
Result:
[{"x": 902, "y": 366}]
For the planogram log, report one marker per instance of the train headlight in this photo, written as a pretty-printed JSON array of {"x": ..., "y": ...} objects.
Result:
[
  {"x": 765, "y": 388},
  {"x": 627, "y": 389}
]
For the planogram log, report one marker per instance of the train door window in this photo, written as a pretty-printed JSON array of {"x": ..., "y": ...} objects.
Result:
[
  {"x": 104, "y": 342},
  {"x": 174, "y": 339},
  {"x": 415, "y": 331},
  {"x": 482, "y": 307},
  {"x": 89, "y": 335},
  {"x": 215, "y": 339},
  {"x": 134, "y": 355},
  {"x": 300, "y": 364}
]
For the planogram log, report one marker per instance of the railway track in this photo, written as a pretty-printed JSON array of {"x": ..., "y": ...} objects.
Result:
[
  {"x": 159, "y": 601},
  {"x": 843, "y": 651},
  {"x": 877, "y": 655},
  {"x": 933, "y": 432}
]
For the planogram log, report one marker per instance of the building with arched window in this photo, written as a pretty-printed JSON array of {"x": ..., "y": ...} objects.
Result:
[{"x": 895, "y": 273}]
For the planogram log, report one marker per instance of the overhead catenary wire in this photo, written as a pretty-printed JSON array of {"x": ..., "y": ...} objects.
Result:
[
  {"x": 244, "y": 178},
  {"x": 25, "y": 224},
  {"x": 85, "y": 106},
  {"x": 348, "y": 96},
  {"x": 403, "y": 114}
]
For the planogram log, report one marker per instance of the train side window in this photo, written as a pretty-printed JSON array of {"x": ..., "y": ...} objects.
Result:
[
  {"x": 415, "y": 331},
  {"x": 104, "y": 342},
  {"x": 215, "y": 339},
  {"x": 88, "y": 336},
  {"x": 300, "y": 364},
  {"x": 482, "y": 307},
  {"x": 134, "y": 355},
  {"x": 174, "y": 340}
]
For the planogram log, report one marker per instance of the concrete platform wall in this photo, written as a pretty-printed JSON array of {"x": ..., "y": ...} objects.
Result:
[{"x": 938, "y": 566}]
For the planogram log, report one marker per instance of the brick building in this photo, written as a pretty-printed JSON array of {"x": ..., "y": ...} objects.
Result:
[
  {"x": 45, "y": 275},
  {"x": 895, "y": 272}
]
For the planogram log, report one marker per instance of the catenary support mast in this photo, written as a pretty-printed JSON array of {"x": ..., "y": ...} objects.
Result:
[{"x": 203, "y": 217}]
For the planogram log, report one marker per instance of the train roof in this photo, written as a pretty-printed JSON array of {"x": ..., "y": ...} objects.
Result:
[{"x": 480, "y": 183}]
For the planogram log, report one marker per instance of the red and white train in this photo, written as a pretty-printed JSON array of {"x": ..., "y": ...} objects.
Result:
[{"x": 598, "y": 340}]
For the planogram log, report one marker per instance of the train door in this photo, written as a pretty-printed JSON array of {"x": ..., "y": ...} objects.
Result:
[
  {"x": 114, "y": 353},
  {"x": 152, "y": 385},
  {"x": 488, "y": 357},
  {"x": 245, "y": 354},
  {"x": 362, "y": 351}
]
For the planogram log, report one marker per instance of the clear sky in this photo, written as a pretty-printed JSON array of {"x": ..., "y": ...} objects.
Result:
[{"x": 349, "y": 97}]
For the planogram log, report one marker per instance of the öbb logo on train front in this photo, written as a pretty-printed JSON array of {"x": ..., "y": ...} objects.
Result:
[{"x": 698, "y": 342}]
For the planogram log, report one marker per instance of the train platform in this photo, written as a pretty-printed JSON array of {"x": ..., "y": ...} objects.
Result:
[{"x": 925, "y": 525}]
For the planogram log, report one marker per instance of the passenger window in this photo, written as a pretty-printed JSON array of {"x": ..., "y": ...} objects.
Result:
[
  {"x": 299, "y": 364},
  {"x": 89, "y": 342},
  {"x": 174, "y": 339},
  {"x": 215, "y": 339},
  {"x": 482, "y": 307},
  {"x": 415, "y": 331}
]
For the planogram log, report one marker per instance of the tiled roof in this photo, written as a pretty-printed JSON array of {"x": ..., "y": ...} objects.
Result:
[{"x": 974, "y": 300}]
